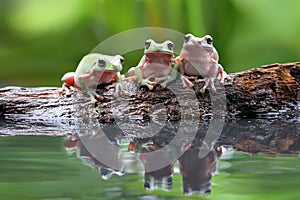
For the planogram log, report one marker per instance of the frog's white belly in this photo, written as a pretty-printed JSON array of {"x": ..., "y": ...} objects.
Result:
[
  {"x": 156, "y": 70},
  {"x": 201, "y": 67},
  {"x": 199, "y": 61}
]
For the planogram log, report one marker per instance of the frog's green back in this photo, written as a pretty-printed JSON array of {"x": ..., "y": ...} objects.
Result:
[{"x": 86, "y": 63}]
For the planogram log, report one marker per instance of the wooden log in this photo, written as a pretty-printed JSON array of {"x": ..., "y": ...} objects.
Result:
[
  {"x": 270, "y": 88},
  {"x": 268, "y": 92}
]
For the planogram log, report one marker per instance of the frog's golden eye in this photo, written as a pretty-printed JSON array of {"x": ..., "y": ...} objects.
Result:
[
  {"x": 170, "y": 45},
  {"x": 147, "y": 44},
  {"x": 101, "y": 63},
  {"x": 209, "y": 40},
  {"x": 122, "y": 60}
]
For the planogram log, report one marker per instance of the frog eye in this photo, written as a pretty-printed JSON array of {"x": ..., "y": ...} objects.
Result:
[
  {"x": 187, "y": 37},
  {"x": 209, "y": 39},
  {"x": 122, "y": 60},
  {"x": 101, "y": 63},
  {"x": 147, "y": 44},
  {"x": 170, "y": 45}
]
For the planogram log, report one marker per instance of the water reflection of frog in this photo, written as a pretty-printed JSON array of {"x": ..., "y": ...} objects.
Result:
[
  {"x": 200, "y": 58},
  {"x": 95, "y": 69},
  {"x": 97, "y": 150},
  {"x": 157, "y": 63},
  {"x": 161, "y": 178},
  {"x": 197, "y": 172}
]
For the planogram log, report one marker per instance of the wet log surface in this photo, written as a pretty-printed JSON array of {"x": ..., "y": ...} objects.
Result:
[{"x": 257, "y": 111}]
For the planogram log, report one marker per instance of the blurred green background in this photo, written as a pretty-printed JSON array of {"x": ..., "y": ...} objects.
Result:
[{"x": 40, "y": 40}]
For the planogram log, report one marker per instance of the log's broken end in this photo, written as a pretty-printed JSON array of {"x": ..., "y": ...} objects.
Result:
[
  {"x": 279, "y": 77},
  {"x": 270, "y": 88}
]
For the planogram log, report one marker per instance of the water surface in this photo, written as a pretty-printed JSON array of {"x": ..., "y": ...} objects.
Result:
[{"x": 39, "y": 167}]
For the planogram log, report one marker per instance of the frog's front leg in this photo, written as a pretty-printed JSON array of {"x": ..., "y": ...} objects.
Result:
[
  {"x": 119, "y": 85},
  {"x": 181, "y": 67},
  {"x": 142, "y": 81},
  {"x": 66, "y": 89},
  {"x": 91, "y": 93},
  {"x": 208, "y": 81},
  {"x": 222, "y": 75},
  {"x": 166, "y": 79}
]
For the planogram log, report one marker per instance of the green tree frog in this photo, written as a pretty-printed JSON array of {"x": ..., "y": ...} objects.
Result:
[
  {"x": 95, "y": 69},
  {"x": 157, "y": 64},
  {"x": 199, "y": 58}
]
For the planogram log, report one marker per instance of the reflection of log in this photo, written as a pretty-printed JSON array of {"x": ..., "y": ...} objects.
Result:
[{"x": 270, "y": 91}]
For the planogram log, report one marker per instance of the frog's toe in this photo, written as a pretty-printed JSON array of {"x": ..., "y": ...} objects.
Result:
[
  {"x": 100, "y": 97},
  {"x": 163, "y": 85},
  {"x": 119, "y": 89},
  {"x": 228, "y": 78},
  {"x": 150, "y": 87},
  {"x": 61, "y": 90},
  {"x": 190, "y": 84},
  {"x": 94, "y": 101},
  {"x": 213, "y": 89},
  {"x": 202, "y": 90},
  {"x": 68, "y": 93},
  {"x": 97, "y": 99},
  {"x": 200, "y": 80},
  {"x": 206, "y": 83},
  {"x": 186, "y": 82},
  {"x": 148, "y": 83},
  {"x": 108, "y": 87},
  {"x": 222, "y": 80}
]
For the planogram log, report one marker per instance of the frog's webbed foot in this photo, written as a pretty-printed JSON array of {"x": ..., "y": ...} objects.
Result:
[
  {"x": 225, "y": 77},
  {"x": 222, "y": 75},
  {"x": 95, "y": 97},
  {"x": 186, "y": 82},
  {"x": 119, "y": 90},
  {"x": 130, "y": 78},
  {"x": 94, "y": 101},
  {"x": 164, "y": 79},
  {"x": 64, "y": 90},
  {"x": 164, "y": 84},
  {"x": 192, "y": 77},
  {"x": 67, "y": 90},
  {"x": 100, "y": 97},
  {"x": 148, "y": 83},
  {"x": 208, "y": 81}
]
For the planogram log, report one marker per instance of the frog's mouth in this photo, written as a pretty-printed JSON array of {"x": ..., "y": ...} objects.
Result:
[
  {"x": 201, "y": 48},
  {"x": 159, "y": 52},
  {"x": 207, "y": 48},
  {"x": 104, "y": 71},
  {"x": 159, "y": 57},
  {"x": 100, "y": 76}
]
